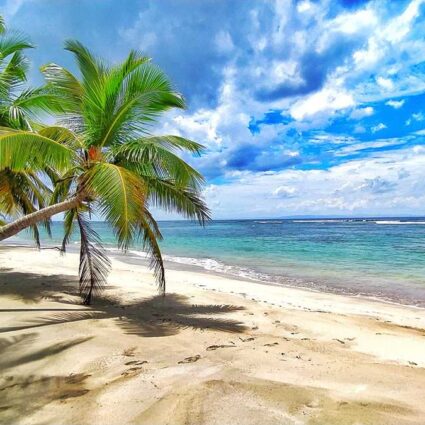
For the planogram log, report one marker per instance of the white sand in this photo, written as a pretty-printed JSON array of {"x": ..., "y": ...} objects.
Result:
[{"x": 214, "y": 351}]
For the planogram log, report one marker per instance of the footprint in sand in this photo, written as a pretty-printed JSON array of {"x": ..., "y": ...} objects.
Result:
[
  {"x": 132, "y": 371},
  {"x": 191, "y": 359},
  {"x": 215, "y": 347},
  {"x": 272, "y": 344},
  {"x": 135, "y": 362}
]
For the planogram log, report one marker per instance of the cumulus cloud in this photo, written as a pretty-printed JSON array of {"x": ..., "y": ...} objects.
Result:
[
  {"x": 361, "y": 113},
  {"x": 396, "y": 104}
]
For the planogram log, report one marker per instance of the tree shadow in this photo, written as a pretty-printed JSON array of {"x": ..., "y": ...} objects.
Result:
[
  {"x": 22, "y": 396},
  {"x": 32, "y": 287},
  {"x": 11, "y": 350},
  {"x": 152, "y": 317}
]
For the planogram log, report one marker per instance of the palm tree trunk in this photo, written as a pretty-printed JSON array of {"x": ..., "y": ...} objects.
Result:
[{"x": 22, "y": 223}]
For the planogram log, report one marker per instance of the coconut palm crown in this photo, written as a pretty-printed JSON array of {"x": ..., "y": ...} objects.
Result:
[{"x": 109, "y": 161}]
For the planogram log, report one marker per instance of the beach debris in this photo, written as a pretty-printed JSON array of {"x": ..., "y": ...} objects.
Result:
[
  {"x": 215, "y": 347},
  {"x": 191, "y": 359},
  {"x": 247, "y": 339},
  {"x": 339, "y": 340},
  {"x": 413, "y": 363},
  {"x": 271, "y": 344}
]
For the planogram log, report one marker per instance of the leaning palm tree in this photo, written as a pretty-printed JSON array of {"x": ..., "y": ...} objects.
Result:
[
  {"x": 109, "y": 160},
  {"x": 21, "y": 192}
]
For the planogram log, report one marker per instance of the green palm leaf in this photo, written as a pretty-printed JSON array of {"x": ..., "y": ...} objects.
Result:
[
  {"x": 147, "y": 94},
  {"x": 68, "y": 226},
  {"x": 12, "y": 42},
  {"x": 94, "y": 264},
  {"x": 172, "y": 198},
  {"x": 120, "y": 195},
  {"x": 149, "y": 230},
  {"x": 151, "y": 156},
  {"x": 22, "y": 149},
  {"x": 65, "y": 85}
]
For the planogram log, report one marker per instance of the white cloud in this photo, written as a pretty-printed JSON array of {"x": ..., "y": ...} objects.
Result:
[
  {"x": 304, "y": 6},
  {"x": 378, "y": 127},
  {"x": 284, "y": 192},
  {"x": 396, "y": 104},
  {"x": 400, "y": 26},
  {"x": 327, "y": 100},
  {"x": 224, "y": 42},
  {"x": 351, "y": 188},
  {"x": 415, "y": 117},
  {"x": 361, "y": 113},
  {"x": 385, "y": 83}
]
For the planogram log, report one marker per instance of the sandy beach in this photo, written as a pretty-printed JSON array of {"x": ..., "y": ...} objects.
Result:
[{"x": 215, "y": 350}]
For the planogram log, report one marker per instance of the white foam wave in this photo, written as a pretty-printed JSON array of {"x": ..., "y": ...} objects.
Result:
[
  {"x": 319, "y": 221},
  {"x": 268, "y": 221},
  {"x": 399, "y": 222},
  {"x": 208, "y": 264}
]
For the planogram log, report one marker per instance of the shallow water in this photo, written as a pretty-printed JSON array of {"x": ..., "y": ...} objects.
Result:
[{"x": 380, "y": 258}]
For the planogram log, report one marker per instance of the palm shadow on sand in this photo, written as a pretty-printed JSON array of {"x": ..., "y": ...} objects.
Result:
[
  {"x": 156, "y": 316},
  {"x": 150, "y": 317}
]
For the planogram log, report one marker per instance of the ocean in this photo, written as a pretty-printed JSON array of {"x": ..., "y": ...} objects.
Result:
[{"x": 378, "y": 258}]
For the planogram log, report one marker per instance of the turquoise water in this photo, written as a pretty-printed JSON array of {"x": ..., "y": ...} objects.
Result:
[{"x": 378, "y": 258}]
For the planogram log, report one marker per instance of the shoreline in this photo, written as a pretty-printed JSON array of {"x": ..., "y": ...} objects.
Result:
[
  {"x": 286, "y": 283},
  {"x": 254, "y": 353}
]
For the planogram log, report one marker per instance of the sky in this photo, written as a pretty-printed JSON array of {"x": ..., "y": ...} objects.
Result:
[{"x": 306, "y": 108}]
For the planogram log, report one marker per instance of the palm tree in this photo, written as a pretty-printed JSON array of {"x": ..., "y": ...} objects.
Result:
[
  {"x": 109, "y": 161},
  {"x": 21, "y": 192}
]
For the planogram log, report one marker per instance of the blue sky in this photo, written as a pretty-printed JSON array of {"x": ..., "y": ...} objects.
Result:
[{"x": 305, "y": 107}]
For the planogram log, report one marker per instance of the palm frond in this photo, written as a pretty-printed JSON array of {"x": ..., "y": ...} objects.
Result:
[
  {"x": 2, "y": 25},
  {"x": 65, "y": 85},
  {"x": 150, "y": 157},
  {"x": 173, "y": 198},
  {"x": 61, "y": 135},
  {"x": 39, "y": 100},
  {"x": 146, "y": 93},
  {"x": 120, "y": 196},
  {"x": 12, "y": 42},
  {"x": 22, "y": 149},
  {"x": 68, "y": 226},
  {"x": 150, "y": 233},
  {"x": 36, "y": 235},
  {"x": 90, "y": 67},
  {"x": 94, "y": 264},
  {"x": 15, "y": 72}
]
